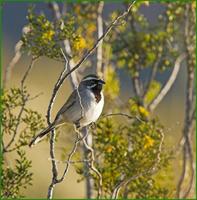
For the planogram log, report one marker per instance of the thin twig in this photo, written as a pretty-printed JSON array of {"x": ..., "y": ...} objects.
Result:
[
  {"x": 27, "y": 71},
  {"x": 71, "y": 161},
  {"x": 78, "y": 139},
  {"x": 93, "y": 168},
  {"x": 123, "y": 114},
  {"x": 36, "y": 96}
]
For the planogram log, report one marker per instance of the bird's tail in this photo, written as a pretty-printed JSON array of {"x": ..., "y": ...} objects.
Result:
[{"x": 40, "y": 136}]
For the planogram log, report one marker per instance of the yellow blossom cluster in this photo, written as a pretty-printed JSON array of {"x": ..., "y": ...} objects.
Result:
[
  {"x": 80, "y": 43},
  {"x": 143, "y": 111},
  {"x": 149, "y": 142},
  {"x": 48, "y": 35}
]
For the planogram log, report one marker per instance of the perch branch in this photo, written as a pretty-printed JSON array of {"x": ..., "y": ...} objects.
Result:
[{"x": 53, "y": 134}]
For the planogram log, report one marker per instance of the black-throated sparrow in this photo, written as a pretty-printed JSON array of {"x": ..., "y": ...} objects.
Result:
[{"x": 83, "y": 107}]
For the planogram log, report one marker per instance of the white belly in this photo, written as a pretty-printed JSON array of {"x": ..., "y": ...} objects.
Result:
[{"x": 93, "y": 111}]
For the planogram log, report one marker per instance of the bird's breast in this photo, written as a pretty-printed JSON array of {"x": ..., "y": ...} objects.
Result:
[{"x": 92, "y": 109}]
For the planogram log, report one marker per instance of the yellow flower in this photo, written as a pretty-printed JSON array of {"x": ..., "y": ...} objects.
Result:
[
  {"x": 80, "y": 43},
  {"x": 109, "y": 149},
  {"x": 148, "y": 142},
  {"x": 143, "y": 111},
  {"x": 47, "y": 36}
]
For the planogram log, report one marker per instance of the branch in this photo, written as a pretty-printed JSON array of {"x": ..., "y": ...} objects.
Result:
[
  {"x": 123, "y": 114},
  {"x": 99, "y": 68},
  {"x": 93, "y": 168},
  {"x": 53, "y": 134},
  {"x": 15, "y": 59},
  {"x": 189, "y": 112},
  {"x": 166, "y": 87},
  {"x": 13, "y": 62},
  {"x": 68, "y": 162},
  {"x": 192, "y": 168}
]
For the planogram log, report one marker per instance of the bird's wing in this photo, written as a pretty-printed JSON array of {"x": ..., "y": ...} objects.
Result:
[{"x": 69, "y": 103}]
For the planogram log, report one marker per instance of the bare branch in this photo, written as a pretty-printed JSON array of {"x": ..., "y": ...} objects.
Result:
[
  {"x": 166, "y": 87},
  {"x": 93, "y": 168},
  {"x": 189, "y": 113},
  {"x": 70, "y": 162},
  {"x": 99, "y": 68},
  {"x": 52, "y": 135},
  {"x": 78, "y": 139},
  {"x": 192, "y": 168},
  {"x": 13, "y": 62},
  {"x": 125, "y": 115},
  {"x": 27, "y": 71},
  {"x": 15, "y": 59}
]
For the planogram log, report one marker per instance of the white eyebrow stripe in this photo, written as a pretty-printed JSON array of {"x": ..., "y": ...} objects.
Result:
[
  {"x": 90, "y": 78},
  {"x": 91, "y": 86}
]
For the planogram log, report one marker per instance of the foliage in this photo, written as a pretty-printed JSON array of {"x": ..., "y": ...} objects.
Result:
[
  {"x": 19, "y": 124},
  {"x": 122, "y": 148},
  {"x": 16, "y": 178},
  {"x": 43, "y": 37},
  {"x": 127, "y": 150}
]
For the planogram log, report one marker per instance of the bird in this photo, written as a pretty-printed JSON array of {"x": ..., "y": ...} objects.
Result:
[{"x": 83, "y": 107}]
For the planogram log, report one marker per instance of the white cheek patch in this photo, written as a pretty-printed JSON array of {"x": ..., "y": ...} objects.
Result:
[{"x": 91, "y": 86}]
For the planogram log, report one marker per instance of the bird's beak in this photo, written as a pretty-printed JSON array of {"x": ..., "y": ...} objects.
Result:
[{"x": 101, "y": 81}]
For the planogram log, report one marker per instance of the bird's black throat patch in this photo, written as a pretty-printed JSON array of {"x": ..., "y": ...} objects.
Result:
[{"x": 97, "y": 93}]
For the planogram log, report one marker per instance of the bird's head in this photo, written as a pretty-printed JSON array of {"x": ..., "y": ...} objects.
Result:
[{"x": 93, "y": 82}]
